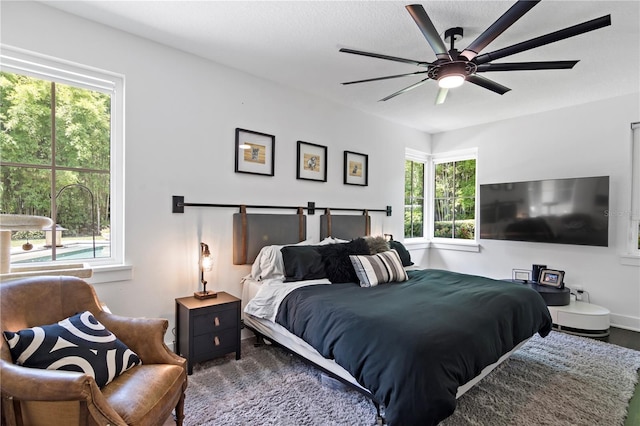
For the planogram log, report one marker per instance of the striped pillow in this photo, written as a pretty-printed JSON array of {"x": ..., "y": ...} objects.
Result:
[{"x": 380, "y": 268}]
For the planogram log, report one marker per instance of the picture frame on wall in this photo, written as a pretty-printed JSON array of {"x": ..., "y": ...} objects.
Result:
[
  {"x": 255, "y": 152},
  {"x": 356, "y": 168},
  {"x": 312, "y": 162}
]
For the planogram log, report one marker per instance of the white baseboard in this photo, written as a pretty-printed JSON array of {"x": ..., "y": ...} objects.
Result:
[{"x": 625, "y": 321}]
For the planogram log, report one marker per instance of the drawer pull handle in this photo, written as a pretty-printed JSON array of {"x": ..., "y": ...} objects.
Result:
[
  {"x": 216, "y": 321},
  {"x": 216, "y": 341}
]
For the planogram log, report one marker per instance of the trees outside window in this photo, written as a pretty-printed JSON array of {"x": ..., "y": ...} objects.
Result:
[
  {"x": 455, "y": 199},
  {"x": 413, "y": 199},
  {"x": 56, "y": 138},
  {"x": 447, "y": 199}
]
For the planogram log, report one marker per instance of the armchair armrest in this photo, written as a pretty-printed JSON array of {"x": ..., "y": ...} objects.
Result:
[
  {"x": 44, "y": 385},
  {"x": 144, "y": 336},
  {"x": 33, "y": 384}
]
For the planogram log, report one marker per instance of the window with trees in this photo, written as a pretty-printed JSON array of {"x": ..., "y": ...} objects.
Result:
[
  {"x": 413, "y": 199},
  {"x": 59, "y": 126},
  {"x": 454, "y": 202},
  {"x": 447, "y": 199}
]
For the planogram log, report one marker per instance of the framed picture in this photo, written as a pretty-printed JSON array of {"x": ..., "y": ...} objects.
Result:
[
  {"x": 312, "y": 162},
  {"x": 255, "y": 152},
  {"x": 552, "y": 278},
  {"x": 523, "y": 275},
  {"x": 356, "y": 168}
]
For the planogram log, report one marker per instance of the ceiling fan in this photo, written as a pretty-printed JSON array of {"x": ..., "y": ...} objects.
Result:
[{"x": 452, "y": 67}]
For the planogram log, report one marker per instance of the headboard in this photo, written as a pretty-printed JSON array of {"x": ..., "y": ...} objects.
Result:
[
  {"x": 345, "y": 227},
  {"x": 253, "y": 231}
]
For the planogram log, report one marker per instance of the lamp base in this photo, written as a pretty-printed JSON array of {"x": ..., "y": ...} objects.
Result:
[{"x": 205, "y": 294}]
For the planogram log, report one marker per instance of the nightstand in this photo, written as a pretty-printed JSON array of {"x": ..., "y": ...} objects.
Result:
[{"x": 208, "y": 328}]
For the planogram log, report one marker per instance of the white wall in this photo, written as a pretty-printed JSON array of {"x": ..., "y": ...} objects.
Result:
[
  {"x": 181, "y": 115},
  {"x": 181, "y": 112},
  {"x": 588, "y": 140}
]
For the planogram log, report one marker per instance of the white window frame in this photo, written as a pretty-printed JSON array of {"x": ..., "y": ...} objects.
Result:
[
  {"x": 424, "y": 158},
  {"x": 430, "y": 161},
  {"x": 24, "y": 62},
  {"x": 634, "y": 216}
]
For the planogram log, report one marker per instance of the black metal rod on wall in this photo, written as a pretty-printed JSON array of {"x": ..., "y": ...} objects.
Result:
[{"x": 178, "y": 206}]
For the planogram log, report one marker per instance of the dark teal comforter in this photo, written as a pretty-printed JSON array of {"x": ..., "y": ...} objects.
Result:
[{"x": 413, "y": 343}]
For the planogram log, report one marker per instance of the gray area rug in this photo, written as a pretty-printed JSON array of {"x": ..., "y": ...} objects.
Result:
[{"x": 559, "y": 380}]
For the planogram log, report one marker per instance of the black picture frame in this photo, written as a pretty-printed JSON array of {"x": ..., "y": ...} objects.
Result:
[
  {"x": 356, "y": 168},
  {"x": 255, "y": 152},
  {"x": 312, "y": 162},
  {"x": 551, "y": 278}
]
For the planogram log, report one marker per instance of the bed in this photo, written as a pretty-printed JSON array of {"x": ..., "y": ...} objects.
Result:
[{"x": 413, "y": 341}]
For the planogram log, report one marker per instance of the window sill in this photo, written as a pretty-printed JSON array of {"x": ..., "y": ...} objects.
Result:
[
  {"x": 417, "y": 243},
  {"x": 423, "y": 243},
  {"x": 111, "y": 273},
  {"x": 470, "y": 246},
  {"x": 630, "y": 259}
]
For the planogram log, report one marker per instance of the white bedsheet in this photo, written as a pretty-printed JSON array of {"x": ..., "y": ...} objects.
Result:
[{"x": 270, "y": 294}]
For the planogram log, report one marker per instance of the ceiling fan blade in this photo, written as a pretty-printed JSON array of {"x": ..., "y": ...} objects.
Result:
[
  {"x": 385, "y": 78},
  {"x": 575, "y": 30},
  {"x": 488, "y": 84},
  {"x": 389, "y": 58},
  {"x": 441, "y": 96},
  {"x": 406, "y": 89},
  {"x": 514, "y": 13},
  {"x": 527, "y": 66},
  {"x": 429, "y": 31}
]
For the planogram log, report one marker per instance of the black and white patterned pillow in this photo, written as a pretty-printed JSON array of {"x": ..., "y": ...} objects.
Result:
[
  {"x": 79, "y": 343},
  {"x": 380, "y": 268}
]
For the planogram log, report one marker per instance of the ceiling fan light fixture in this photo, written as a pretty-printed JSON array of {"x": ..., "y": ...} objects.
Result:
[
  {"x": 451, "y": 74},
  {"x": 451, "y": 81}
]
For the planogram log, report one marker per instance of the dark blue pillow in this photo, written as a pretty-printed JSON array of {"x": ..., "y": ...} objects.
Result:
[
  {"x": 79, "y": 343},
  {"x": 302, "y": 263},
  {"x": 405, "y": 256}
]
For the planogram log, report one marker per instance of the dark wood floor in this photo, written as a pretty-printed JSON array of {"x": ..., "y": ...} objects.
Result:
[
  {"x": 621, "y": 337},
  {"x": 628, "y": 339}
]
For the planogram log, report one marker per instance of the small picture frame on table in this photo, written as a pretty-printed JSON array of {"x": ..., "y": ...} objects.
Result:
[
  {"x": 523, "y": 275},
  {"x": 312, "y": 162},
  {"x": 356, "y": 168},
  {"x": 255, "y": 152},
  {"x": 552, "y": 278}
]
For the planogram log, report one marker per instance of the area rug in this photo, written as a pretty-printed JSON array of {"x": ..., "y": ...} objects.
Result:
[{"x": 559, "y": 380}]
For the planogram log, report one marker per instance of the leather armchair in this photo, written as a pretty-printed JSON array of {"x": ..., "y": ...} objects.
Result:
[{"x": 143, "y": 395}]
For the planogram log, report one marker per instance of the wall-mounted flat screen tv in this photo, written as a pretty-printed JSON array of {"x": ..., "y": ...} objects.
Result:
[{"x": 562, "y": 211}]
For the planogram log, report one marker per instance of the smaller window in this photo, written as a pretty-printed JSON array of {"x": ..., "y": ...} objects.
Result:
[{"x": 413, "y": 199}]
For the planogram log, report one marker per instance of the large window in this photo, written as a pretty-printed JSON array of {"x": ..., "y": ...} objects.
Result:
[
  {"x": 440, "y": 196},
  {"x": 454, "y": 202},
  {"x": 60, "y": 128}
]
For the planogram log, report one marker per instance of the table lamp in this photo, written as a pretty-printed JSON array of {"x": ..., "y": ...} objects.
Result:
[{"x": 206, "y": 264}]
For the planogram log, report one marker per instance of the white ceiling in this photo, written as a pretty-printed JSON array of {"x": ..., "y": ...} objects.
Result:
[{"x": 296, "y": 44}]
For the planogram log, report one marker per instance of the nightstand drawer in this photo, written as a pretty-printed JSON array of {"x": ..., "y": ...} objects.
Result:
[
  {"x": 214, "y": 344},
  {"x": 214, "y": 320}
]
